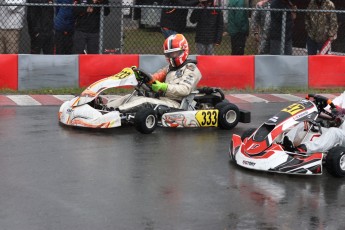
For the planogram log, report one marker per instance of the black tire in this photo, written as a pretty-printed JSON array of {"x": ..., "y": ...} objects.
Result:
[
  {"x": 335, "y": 161},
  {"x": 247, "y": 133},
  {"x": 228, "y": 116},
  {"x": 145, "y": 120},
  {"x": 221, "y": 104}
]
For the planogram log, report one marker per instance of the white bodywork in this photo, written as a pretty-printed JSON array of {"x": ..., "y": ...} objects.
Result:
[
  {"x": 86, "y": 116},
  {"x": 77, "y": 112}
]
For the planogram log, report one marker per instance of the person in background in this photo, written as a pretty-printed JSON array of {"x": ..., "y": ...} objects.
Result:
[
  {"x": 238, "y": 26},
  {"x": 40, "y": 26},
  {"x": 320, "y": 26},
  {"x": 64, "y": 27},
  {"x": 209, "y": 28},
  {"x": 173, "y": 20},
  {"x": 11, "y": 23},
  {"x": 276, "y": 27},
  {"x": 260, "y": 26},
  {"x": 87, "y": 24}
]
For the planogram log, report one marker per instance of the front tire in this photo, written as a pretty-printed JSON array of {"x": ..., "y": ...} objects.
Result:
[
  {"x": 228, "y": 116},
  {"x": 145, "y": 120},
  {"x": 335, "y": 161}
]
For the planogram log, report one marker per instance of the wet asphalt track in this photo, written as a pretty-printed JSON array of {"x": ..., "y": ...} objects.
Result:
[{"x": 57, "y": 178}]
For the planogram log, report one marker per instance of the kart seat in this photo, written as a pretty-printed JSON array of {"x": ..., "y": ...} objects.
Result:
[{"x": 188, "y": 102}]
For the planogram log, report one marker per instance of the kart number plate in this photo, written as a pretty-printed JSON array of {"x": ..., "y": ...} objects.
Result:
[
  {"x": 123, "y": 74},
  {"x": 207, "y": 118},
  {"x": 294, "y": 108}
]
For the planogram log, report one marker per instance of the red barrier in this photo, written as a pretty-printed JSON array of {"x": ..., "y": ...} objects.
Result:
[
  {"x": 95, "y": 67},
  {"x": 326, "y": 71},
  {"x": 9, "y": 71},
  {"x": 227, "y": 71}
]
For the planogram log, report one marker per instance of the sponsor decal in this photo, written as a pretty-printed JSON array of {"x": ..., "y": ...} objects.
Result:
[
  {"x": 298, "y": 116},
  {"x": 69, "y": 110},
  {"x": 190, "y": 78},
  {"x": 188, "y": 82},
  {"x": 248, "y": 163},
  {"x": 274, "y": 119},
  {"x": 253, "y": 146},
  {"x": 191, "y": 67},
  {"x": 179, "y": 73}
]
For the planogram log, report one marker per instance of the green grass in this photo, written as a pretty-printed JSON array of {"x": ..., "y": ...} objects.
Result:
[{"x": 150, "y": 41}]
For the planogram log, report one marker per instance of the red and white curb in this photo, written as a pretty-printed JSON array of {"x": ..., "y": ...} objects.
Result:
[{"x": 37, "y": 100}]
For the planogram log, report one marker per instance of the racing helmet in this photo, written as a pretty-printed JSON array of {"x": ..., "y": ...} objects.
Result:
[{"x": 176, "y": 49}]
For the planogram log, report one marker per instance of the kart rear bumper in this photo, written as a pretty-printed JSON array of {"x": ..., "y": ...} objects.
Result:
[{"x": 245, "y": 116}]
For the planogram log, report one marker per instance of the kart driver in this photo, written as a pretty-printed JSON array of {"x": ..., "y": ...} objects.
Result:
[
  {"x": 330, "y": 137},
  {"x": 174, "y": 82}
]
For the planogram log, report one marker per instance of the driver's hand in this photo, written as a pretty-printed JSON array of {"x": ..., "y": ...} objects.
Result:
[
  {"x": 338, "y": 111},
  {"x": 137, "y": 73},
  {"x": 159, "y": 86}
]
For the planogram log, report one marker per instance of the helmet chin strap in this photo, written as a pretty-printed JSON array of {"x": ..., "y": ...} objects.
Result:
[{"x": 172, "y": 62}]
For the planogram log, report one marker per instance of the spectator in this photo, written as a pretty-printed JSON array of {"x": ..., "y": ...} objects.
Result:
[
  {"x": 64, "y": 27},
  {"x": 320, "y": 26},
  {"x": 209, "y": 28},
  {"x": 40, "y": 26},
  {"x": 11, "y": 23},
  {"x": 173, "y": 20},
  {"x": 276, "y": 27},
  {"x": 260, "y": 26},
  {"x": 238, "y": 26},
  {"x": 86, "y": 34}
]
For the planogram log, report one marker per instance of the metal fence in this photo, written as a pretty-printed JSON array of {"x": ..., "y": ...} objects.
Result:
[{"x": 135, "y": 29}]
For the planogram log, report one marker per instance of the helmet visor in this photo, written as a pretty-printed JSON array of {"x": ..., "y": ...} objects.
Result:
[{"x": 174, "y": 54}]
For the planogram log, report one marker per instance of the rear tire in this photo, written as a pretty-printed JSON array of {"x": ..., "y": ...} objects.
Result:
[
  {"x": 229, "y": 116},
  {"x": 145, "y": 120},
  {"x": 221, "y": 104},
  {"x": 335, "y": 161}
]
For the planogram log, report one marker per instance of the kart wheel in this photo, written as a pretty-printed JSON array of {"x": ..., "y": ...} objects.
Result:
[
  {"x": 335, "y": 161},
  {"x": 221, "y": 104},
  {"x": 247, "y": 133},
  {"x": 145, "y": 120},
  {"x": 228, "y": 116}
]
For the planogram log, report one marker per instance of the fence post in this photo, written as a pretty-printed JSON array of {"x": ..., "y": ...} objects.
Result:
[
  {"x": 101, "y": 26},
  {"x": 122, "y": 34},
  {"x": 282, "y": 42}
]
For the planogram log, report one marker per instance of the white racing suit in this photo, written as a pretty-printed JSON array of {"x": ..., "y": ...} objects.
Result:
[
  {"x": 330, "y": 137},
  {"x": 181, "y": 82}
]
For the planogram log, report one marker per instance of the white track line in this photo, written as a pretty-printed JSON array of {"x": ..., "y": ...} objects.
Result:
[
  {"x": 249, "y": 97},
  {"x": 64, "y": 97},
  {"x": 23, "y": 100},
  {"x": 288, "y": 97}
]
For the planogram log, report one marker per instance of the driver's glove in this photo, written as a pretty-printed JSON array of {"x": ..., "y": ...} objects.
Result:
[
  {"x": 338, "y": 111},
  {"x": 136, "y": 73},
  {"x": 159, "y": 86}
]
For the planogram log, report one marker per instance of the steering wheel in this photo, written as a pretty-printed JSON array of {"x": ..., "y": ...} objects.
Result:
[
  {"x": 145, "y": 79},
  {"x": 321, "y": 103},
  {"x": 143, "y": 76}
]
